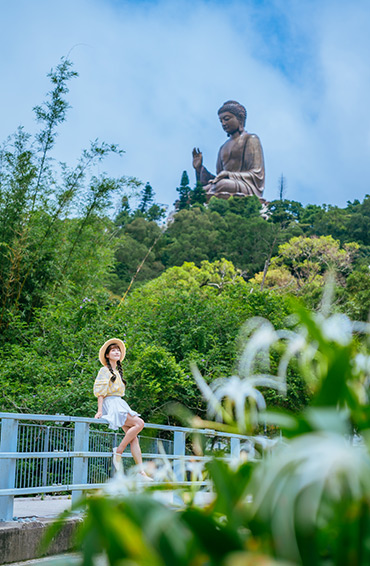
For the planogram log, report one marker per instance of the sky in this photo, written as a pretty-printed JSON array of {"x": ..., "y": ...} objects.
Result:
[{"x": 152, "y": 75}]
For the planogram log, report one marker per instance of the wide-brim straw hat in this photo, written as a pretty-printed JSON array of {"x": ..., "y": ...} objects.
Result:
[{"x": 102, "y": 350}]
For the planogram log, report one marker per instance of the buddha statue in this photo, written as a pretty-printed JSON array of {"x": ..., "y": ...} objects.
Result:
[{"x": 240, "y": 169}]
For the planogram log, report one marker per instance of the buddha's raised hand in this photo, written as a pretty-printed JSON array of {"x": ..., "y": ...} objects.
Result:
[{"x": 197, "y": 158}]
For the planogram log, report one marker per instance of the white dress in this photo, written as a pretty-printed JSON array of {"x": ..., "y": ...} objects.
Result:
[{"x": 115, "y": 409}]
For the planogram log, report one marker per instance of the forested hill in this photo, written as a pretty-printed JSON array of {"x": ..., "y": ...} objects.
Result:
[
  {"x": 233, "y": 230},
  {"x": 72, "y": 274}
]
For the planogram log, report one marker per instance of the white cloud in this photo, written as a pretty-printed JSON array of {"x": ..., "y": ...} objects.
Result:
[{"x": 153, "y": 74}]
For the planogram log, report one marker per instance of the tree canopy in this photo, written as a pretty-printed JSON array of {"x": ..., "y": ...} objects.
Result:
[{"x": 74, "y": 271}]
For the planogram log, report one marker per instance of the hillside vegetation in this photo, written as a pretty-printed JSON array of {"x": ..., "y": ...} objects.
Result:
[{"x": 74, "y": 273}]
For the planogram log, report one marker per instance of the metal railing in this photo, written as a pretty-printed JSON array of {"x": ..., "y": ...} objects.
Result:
[{"x": 69, "y": 455}]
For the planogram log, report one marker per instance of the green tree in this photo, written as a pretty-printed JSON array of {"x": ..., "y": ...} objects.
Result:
[
  {"x": 155, "y": 213},
  {"x": 131, "y": 248},
  {"x": 198, "y": 194},
  {"x": 186, "y": 314},
  {"x": 302, "y": 264},
  {"x": 231, "y": 229},
  {"x": 284, "y": 212},
  {"x": 194, "y": 235},
  {"x": 124, "y": 213},
  {"x": 282, "y": 187},
  {"x": 49, "y": 217},
  {"x": 184, "y": 192},
  {"x": 147, "y": 198},
  {"x": 356, "y": 300}
]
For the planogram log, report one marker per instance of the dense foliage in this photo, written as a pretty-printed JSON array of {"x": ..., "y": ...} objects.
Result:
[
  {"x": 306, "y": 503},
  {"x": 187, "y": 314},
  {"x": 73, "y": 272},
  {"x": 235, "y": 230}
]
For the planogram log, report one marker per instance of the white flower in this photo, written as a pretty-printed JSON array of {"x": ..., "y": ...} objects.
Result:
[
  {"x": 337, "y": 328},
  {"x": 238, "y": 391},
  {"x": 289, "y": 487},
  {"x": 213, "y": 405},
  {"x": 242, "y": 391},
  {"x": 362, "y": 363},
  {"x": 196, "y": 469},
  {"x": 265, "y": 442},
  {"x": 120, "y": 485},
  {"x": 262, "y": 336},
  {"x": 363, "y": 327},
  {"x": 296, "y": 344}
]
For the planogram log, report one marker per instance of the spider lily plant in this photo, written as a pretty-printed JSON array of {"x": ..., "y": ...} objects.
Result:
[{"x": 307, "y": 503}]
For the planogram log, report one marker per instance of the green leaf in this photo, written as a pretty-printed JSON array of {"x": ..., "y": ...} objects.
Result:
[
  {"x": 215, "y": 538},
  {"x": 230, "y": 486}
]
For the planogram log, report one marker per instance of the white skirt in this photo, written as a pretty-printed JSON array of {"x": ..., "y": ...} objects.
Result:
[{"x": 115, "y": 411}]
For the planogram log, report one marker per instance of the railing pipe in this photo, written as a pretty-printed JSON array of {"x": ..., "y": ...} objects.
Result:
[{"x": 71, "y": 419}]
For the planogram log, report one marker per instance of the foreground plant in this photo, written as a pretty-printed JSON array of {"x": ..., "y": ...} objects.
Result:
[{"x": 307, "y": 503}]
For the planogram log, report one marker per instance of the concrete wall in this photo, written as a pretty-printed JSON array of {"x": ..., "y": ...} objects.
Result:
[{"x": 21, "y": 541}]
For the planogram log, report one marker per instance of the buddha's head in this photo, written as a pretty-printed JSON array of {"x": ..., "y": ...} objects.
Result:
[{"x": 229, "y": 110}]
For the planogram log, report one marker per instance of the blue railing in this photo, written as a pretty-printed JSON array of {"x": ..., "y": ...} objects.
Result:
[{"x": 50, "y": 458}]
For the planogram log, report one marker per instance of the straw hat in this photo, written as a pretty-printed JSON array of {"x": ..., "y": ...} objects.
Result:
[{"x": 102, "y": 350}]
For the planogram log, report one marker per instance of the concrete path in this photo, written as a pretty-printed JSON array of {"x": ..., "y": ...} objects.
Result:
[
  {"x": 60, "y": 560},
  {"x": 70, "y": 559},
  {"x": 50, "y": 506}
]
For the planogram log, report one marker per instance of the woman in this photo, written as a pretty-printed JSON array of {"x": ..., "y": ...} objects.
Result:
[{"x": 109, "y": 388}]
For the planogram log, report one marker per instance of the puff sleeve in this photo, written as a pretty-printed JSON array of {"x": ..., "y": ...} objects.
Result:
[{"x": 102, "y": 382}]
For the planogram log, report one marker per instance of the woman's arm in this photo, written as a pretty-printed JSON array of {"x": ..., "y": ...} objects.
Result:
[{"x": 100, "y": 407}]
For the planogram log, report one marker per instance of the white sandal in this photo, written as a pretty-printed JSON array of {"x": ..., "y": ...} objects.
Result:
[
  {"x": 144, "y": 476},
  {"x": 117, "y": 460}
]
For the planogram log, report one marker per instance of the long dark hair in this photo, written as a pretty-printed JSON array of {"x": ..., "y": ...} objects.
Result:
[{"x": 119, "y": 367}]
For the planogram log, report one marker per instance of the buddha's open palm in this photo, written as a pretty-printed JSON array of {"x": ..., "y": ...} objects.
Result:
[{"x": 197, "y": 158}]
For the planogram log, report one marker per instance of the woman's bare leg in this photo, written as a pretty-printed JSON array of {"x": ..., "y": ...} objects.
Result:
[
  {"x": 133, "y": 426},
  {"x": 135, "y": 448}
]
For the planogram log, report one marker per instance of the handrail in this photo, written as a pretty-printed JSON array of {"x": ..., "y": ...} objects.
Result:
[
  {"x": 79, "y": 455},
  {"x": 69, "y": 454},
  {"x": 72, "y": 419}
]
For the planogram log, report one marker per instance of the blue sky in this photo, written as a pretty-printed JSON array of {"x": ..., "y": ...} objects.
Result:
[{"x": 153, "y": 74}]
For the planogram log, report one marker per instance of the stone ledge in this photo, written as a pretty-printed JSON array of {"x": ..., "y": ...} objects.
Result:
[{"x": 21, "y": 541}]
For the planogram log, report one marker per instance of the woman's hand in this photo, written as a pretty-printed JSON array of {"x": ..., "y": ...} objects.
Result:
[{"x": 99, "y": 414}]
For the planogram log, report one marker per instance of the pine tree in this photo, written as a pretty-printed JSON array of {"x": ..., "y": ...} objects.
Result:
[
  {"x": 184, "y": 192},
  {"x": 282, "y": 187},
  {"x": 147, "y": 198},
  {"x": 124, "y": 212},
  {"x": 198, "y": 195}
]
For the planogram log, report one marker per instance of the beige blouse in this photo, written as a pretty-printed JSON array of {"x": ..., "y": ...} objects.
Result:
[{"x": 105, "y": 386}]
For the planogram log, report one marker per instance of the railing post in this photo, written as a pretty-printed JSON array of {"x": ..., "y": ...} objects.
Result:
[
  {"x": 179, "y": 450},
  {"x": 235, "y": 447},
  {"x": 45, "y": 460},
  {"x": 80, "y": 464},
  {"x": 8, "y": 443}
]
